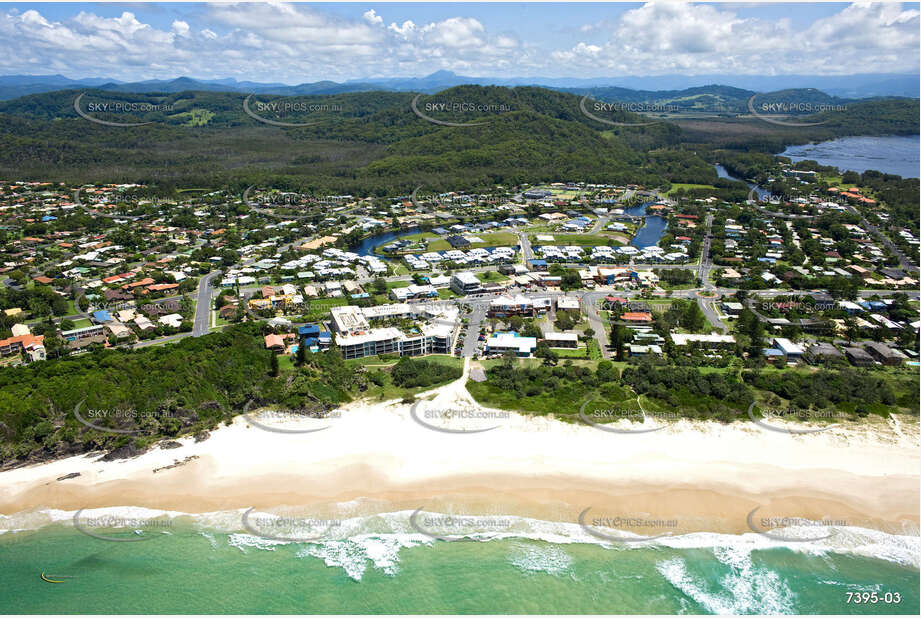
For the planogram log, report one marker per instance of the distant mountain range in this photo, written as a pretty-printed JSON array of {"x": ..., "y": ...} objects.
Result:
[{"x": 652, "y": 87}]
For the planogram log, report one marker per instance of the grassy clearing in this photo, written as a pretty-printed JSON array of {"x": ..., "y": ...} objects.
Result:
[
  {"x": 687, "y": 186},
  {"x": 579, "y": 240},
  {"x": 495, "y": 239},
  {"x": 491, "y": 275}
]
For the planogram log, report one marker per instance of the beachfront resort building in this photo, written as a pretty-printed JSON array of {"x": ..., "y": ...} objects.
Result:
[{"x": 434, "y": 332}]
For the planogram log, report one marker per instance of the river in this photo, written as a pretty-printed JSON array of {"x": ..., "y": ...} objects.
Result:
[
  {"x": 722, "y": 173},
  {"x": 366, "y": 247},
  {"x": 652, "y": 230},
  {"x": 892, "y": 154}
]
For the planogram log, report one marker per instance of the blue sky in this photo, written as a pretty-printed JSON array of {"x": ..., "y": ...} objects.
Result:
[{"x": 296, "y": 43}]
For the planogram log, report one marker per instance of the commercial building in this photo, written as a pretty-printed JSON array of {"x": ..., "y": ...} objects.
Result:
[
  {"x": 562, "y": 340},
  {"x": 80, "y": 337},
  {"x": 348, "y": 318},
  {"x": 499, "y": 343},
  {"x": 711, "y": 342},
  {"x": 357, "y": 339},
  {"x": 464, "y": 283},
  {"x": 428, "y": 339}
]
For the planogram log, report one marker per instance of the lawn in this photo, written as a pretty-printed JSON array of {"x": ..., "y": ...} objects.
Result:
[
  {"x": 491, "y": 275},
  {"x": 286, "y": 362},
  {"x": 580, "y": 352},
  {"x": 686, "y": 186},
  {"x": 496, "y": 239},
  {"x": 579, "y": 240}
]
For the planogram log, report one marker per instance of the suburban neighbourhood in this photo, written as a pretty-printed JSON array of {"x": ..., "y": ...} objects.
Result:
[{"x": 560, "y": 271}]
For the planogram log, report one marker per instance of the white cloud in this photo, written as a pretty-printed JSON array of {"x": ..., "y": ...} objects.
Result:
[
  {"x": 297, "y": 43},
  {"x": 666, "y": 37},
  {"x": 372, "y": 17},
  {"x": 180, "y": 27},
  {"x": 404, "y": 31}
]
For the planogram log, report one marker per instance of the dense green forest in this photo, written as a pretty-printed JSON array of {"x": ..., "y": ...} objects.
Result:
[
  {"x": 185, "y": 388},
  {"x": 372, "y": 143},
  {"x": 688, "y": 392}
]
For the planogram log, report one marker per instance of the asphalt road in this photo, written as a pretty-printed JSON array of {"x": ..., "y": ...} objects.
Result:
[
  {"x": 526, "y": 250},
  {"x": 904, "y": 262},
  {"x": 473, "y": 329},
  {"x": 202, "y": 323},
  {"x": 703, "y": 272}
]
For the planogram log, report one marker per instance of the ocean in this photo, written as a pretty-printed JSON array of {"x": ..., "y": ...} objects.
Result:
[{"x": 381, "y": 564}]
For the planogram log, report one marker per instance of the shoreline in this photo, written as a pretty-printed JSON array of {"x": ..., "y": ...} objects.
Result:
[{"x": 377, "y": 458}]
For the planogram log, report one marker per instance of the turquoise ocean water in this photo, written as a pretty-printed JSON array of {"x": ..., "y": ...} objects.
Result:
[{"x": 379, "y": 565}]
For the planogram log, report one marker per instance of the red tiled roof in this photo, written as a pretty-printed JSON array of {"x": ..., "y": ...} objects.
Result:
[
  {"x": 636, "y": 316},
  {"x": 159, "y": 287}
]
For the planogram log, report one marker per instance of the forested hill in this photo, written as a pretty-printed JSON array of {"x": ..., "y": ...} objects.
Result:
[
  {"x": 361, "y": 142},
  {"x": 467, "y": 137}
]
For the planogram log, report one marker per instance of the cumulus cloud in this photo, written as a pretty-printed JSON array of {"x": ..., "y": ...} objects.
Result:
[
  {"x": 372, "y": 17},
  {"x": 297, "y": 43},
  {"x": 663, "y": 37}
]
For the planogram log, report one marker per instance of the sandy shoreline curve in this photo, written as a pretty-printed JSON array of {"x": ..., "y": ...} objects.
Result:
[{"x": 704, "y": 476}]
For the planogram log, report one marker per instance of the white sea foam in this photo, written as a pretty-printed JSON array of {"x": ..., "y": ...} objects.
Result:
[
  {"x": 355, "y": 555},
  {"x": 373, "y": 539},
  {"x": 540, "y": 558},
  {"x": 745, "y": 589}
]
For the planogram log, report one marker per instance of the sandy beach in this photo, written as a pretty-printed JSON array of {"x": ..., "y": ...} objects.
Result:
[{"x": 378, "y": 457}]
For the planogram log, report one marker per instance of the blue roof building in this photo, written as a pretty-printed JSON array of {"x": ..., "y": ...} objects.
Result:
[
  {"x": 308, "y": 330},
  {"x": 102, "y": 316},
  {"x": 538, "y": 264}
]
